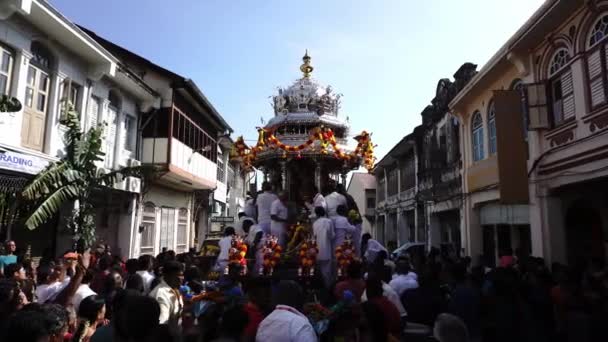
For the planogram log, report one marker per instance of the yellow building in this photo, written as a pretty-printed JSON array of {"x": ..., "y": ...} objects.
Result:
[{"x": 534, "y": 139}]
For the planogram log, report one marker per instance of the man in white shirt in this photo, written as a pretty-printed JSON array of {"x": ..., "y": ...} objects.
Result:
[
  {"x": 52, "y": 281},
  {"x": 279, "y": 215},
  {"x": 333, "y": 200},
  {"x": 238, "y": 226},
  {"x": 224, "y": 244},
  {"x": 83, "y": 290},
  {"x": 168, "y": 297},
  {"x": 403, "y": 279},
  {"x": 250, "y": 207},
  {"x": 264, "y": 202},
  {"x": 255, "y": 240},
  {"x": 323, "y": 229},
  {"x": 317, "y": 201},
  {"x": 286, "y": 323},
  {"x": 390, "y": 294},
  {"x": 146, "y": 265},
  {"x": 342, "y": 227}
]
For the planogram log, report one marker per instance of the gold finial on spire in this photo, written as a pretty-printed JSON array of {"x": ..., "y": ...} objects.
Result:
[{"x": 306, "y": 68}]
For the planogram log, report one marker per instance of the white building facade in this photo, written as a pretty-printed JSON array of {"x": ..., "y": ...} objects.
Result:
[{"x": 47, "y": 60}]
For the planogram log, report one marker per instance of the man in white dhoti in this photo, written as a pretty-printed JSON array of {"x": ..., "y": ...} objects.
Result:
[
  {"x": 264, "y": 202},
  {"x": 255, "y": 239},
  {"x": 278, "y": 216},
  {"x": 323, "y": 229}
]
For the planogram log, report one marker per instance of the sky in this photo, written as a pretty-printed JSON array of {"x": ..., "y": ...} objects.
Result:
[{"x": 384, "y": 56}]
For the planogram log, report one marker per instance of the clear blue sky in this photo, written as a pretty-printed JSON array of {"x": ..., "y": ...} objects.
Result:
[{"x": 385, "y": 56}]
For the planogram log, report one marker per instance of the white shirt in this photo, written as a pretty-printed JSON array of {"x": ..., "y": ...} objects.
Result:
[
  {"x": 45, "y": 293},
  {"x": 285, "y": 324},
  {"x": 225, "y": 243},
  {"x": 342, "y": 228},
  {"x": 170, "y": 302},
  {"x": 83, "y": 292},
  {"x": 402, "y": 282},
  {"x": 147, "y": 277},
  {"x": 391, "y": 295},
  {"x": 250, "y": 239},
  {"x": 323, "y": 229},
  {"x": 238, "y": 226},
  {"x": 332, "y": 201},
  {"x": 318, "y": 201},
  {"x": 249, "y": 208},
  {"x": 279, "y": 210},
  {"x": 264, "y": 202},
  {"x": 373, "y": 248}
]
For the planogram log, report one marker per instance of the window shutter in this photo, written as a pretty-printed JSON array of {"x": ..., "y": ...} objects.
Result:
[
  {"x": 596, "y": 84},
  {"x": 536, "y": 100},
  {"x": 124, "y": 133},
  {"x": 568, "y": 92},
  {"x": 111, "y": 137},
  {"x": 93, "y": 113}
]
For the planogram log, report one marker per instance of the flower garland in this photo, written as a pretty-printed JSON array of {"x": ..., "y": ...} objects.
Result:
[
  {"x": 308, "y": 257},
  {"x": 271, "y": 253},
  {"x": 236, "y": 254},
  {"x": 267, "y": 140},
  {"x": 345, "y": 255},
  {"x": 296, "y": 233}
]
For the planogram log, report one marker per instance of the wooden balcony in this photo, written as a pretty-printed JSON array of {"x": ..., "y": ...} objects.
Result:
[{"x": 185, "y": 153}]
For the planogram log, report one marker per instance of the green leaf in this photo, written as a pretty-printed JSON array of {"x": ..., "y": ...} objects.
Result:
[{"x": 51, "y": 205}]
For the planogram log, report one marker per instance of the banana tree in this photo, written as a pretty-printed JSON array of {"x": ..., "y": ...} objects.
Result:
[
  {"x": 72, "y": 180},
  {"x": 9, "y": 104}
]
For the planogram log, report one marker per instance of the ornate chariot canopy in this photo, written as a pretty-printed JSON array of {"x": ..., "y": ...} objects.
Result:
[{"x": 306, "y": 125}]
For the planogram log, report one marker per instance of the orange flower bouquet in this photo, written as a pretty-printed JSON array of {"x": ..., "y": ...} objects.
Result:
[
  {"x": 345, "y": 254},
  {"x": 236, "y": 254},
  {"x": 308, "y": 257},
  {"x": 272, "y": 254}
]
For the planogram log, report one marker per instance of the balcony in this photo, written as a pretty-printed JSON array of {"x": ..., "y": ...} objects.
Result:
[{"x": 186, "y": 158}]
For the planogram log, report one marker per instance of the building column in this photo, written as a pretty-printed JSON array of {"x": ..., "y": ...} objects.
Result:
[
  {"x": 434, "y": 232},
  {"x": 53, "y": 133},
  {"x": 284, "y": 182},
  {"x": 318, "y": 176}
]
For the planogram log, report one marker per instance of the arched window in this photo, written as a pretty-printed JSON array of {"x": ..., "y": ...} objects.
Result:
[
  {"x": 562, "y": 91},
  {"x": 148, "y": 232},
  {"x": 558, "y": 61},
  {"x": 477, "y": 136},
  {"x": 599, "y": 31},
  {"x": 596, "y": 64},
  {"x": 491, "y": 128}
]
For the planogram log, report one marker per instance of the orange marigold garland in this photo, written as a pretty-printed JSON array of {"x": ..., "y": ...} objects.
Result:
[
  {"x": 236, "y": 254},
  {"x": 267, "y": 140},
  {"x": 271, "y": 253},
  {"x": 345, "y": 254},
  {"x": 308, "y": 257}
]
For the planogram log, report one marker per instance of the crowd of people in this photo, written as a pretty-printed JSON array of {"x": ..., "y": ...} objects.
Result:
[{"x": 97, "y": 296}]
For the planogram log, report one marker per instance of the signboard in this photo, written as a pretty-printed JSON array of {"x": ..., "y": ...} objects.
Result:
[
  {"x": 20, "y": 162},
  {"x": 222, "y": 219}
]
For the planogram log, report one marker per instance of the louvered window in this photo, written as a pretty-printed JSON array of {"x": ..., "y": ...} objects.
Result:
[
  {"x": 561, "y": 88},
  {"x": 596, "y": 62}
]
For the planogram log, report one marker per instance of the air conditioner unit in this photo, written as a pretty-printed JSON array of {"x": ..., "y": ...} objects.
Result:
[
  {"x": 133, "y": 185},
  {"x": 121, "y": 183},
  {"x": 133, "y": 162}
]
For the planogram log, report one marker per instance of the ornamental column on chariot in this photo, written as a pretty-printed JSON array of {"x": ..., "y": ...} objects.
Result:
[{"x": 305, "y": 145}]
